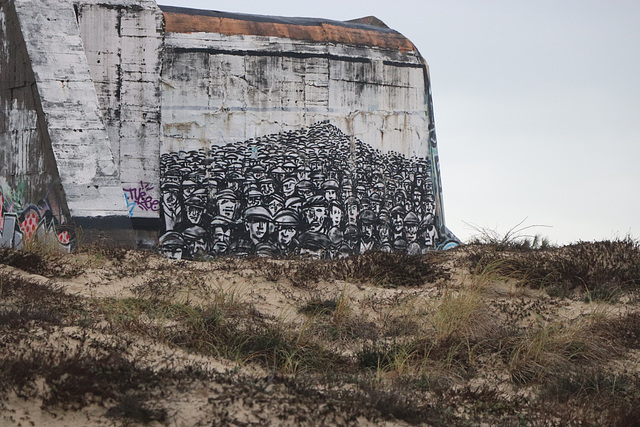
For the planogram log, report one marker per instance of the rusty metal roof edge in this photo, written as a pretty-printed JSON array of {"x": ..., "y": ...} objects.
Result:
[{"x": 275, "y": 19}]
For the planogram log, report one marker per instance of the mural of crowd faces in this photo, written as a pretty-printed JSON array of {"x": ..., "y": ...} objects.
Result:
[{"x": 295, "y": 193}]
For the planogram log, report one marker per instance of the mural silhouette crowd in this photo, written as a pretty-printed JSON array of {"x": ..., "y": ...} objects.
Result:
[{"x": 314, "y": 192}]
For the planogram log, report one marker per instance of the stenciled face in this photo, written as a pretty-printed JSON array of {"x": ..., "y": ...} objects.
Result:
[
  {"x": 254, "y": 201},
  {"x": 286, "y": 235},
  {"x": 173, "y": 252},
  {"x": 316, "y": 216},
  {"x": 257, "y": 230},
  {"x": 227, "y": 208},
  {"x": 430, "y": 236},
  {"x": 288, "y": 187},
  {"x": 352, "y": 213},
  {"x": 430, "y": 207},
  {"x": 221, "y": 235},
  {"x": 274, "y": 206},
  {"x": 194, "y": 214},
  {"x": 346, "y": 193},
  {"x": 336, "y": 216},
  {"x": 267, "y": 188},
  {"x": 398, "y": 223},
  {"x": 412, "y": 233},
  {"x": 367, "y": 231},
  {"x": 170, "y": 201},
  {"x": 383, "y": 232},
  {"x": 330, "y": 194},
  {"x": 188, "y": 190},
  {"x": 197, "y": 248}
]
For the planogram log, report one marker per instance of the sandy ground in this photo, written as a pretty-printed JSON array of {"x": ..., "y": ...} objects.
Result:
[{"x": 201, "y": 388}]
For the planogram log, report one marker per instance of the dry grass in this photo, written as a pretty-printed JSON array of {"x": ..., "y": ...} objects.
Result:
[{"x": 472, "y": 336}]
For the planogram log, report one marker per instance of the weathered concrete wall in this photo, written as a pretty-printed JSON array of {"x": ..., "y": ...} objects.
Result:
[
  {"x": 123, "y": 43},
  {"x": 32, "y": 201},
  {"x": 339, "y": 112},
  {"x": 226, "y": 133}
]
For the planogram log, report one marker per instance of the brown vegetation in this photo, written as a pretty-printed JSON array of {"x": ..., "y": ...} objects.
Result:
[{"x": 502, "y": 333}]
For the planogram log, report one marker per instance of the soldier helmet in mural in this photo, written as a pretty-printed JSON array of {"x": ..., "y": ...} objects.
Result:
[
  {"x": 195, "y": 201},
  {"x": 330, "y": 184},
  {"x": 306, "y": 186},
  {"x": 411, "y": 219},
  {"x": 171, "y": 239},
  {"x": 352, "y": 200},
  {"x": 293, "y": 202},
  {"x": 367, "y": 216},
  {"x": 397, "y": 210},
  {"x": 170, "y": 186},
  {"x": 257, "y": 213},
  {"x": 171, "y": 244},
  {"x": 288, "y": 178},
  {"x": 254, "y": 192},
  {"x": 351, "y": 232},
  {"x": 194, "y": 233},
  {"x": 226, "y": 194},
  {"x": 316, "y": 201},
  {"x": 400, "y": 244},
  {"x": 287, "y": 217},
  {"x": 313, "y": 241}
]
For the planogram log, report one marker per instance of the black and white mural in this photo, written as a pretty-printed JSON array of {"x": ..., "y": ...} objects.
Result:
[{"x": 314, "y": 191}]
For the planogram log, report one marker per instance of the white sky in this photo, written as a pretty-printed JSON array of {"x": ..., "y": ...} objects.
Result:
[{"x": 537, "y": 106}]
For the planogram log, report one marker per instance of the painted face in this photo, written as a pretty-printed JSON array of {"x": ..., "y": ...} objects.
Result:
[
  {"x": 346, "y": 193},
  {"x": 430, "y": 207},
  {"x": 188, "y": 190},
  {"x": 221, "y": 235},
  {"x": 170, "y": 201},
  {"x": 197, "y": 247},
  {"x": 267, "y": 188},
  {"x": 275, "y": 206},
  {"x": 303, "y": 174},
  {"x": 367, "y": 231},
  {"x": 336, "y": 216},
  {"x": 194, "y": 214},
  {"x": 285, "y": 235},
  {"x": 398, "y": 222},
  {"x": 227, "y": 208},
  {"x": 288, "y": 187},
  {"x": 330, "y": 194},
  {"x": 213, "y": 189},
  {"x": 352, "y": 214},
  {"x": 310, "y": 253},
  {"x": 173, "y": 252},
  {"x": 306, "y": 193},
  {"x": 412, "y": 233},
  {"x": 257, "y": 230},
  {"x": 316, "y": 216},
  {"x": 383, "y": 232},
  {"x": 417, "y": 198},
  {"x": 430, "y": 236},
  {"x": 254, "y": 201}
]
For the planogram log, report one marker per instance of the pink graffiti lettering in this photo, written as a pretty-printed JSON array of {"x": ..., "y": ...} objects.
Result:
[{"x": 138, "y": 197}]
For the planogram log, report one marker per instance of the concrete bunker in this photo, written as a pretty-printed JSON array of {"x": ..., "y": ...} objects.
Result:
[{"x": 207, "y": 133}]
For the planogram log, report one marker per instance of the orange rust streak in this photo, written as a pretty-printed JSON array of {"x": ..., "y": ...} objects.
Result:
[{"x": 183, "y": 23}]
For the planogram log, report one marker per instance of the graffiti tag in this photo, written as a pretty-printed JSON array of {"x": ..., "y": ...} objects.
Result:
[{"x": 139, "y": 196}]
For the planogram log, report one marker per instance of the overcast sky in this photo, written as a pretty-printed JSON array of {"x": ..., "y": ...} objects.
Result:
[{"x": 537, "y": 106}]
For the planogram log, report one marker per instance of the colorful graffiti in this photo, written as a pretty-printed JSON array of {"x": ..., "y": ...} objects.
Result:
[
  {"x": 21, "y": 223},
  {"x": 314, "y": 191},
  {"x": 139, "y": 197}
]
